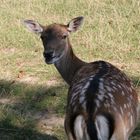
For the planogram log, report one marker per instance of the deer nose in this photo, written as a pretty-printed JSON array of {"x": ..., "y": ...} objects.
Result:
[{"x": 48, "y": 54}]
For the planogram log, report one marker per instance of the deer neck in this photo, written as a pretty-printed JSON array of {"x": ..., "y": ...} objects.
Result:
[{"x": 69, "y": 64}]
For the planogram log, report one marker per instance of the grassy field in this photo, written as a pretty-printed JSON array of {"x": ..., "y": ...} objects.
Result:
[{"x": 32, "y": 94}]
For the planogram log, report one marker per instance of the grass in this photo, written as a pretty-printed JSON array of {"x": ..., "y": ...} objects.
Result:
[{"x": 30, "y": 89}]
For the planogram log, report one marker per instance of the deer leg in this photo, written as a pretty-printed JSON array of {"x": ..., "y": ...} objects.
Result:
[
  {"x": 120, "y": 131},
  {"x": 67, "y": 129}
]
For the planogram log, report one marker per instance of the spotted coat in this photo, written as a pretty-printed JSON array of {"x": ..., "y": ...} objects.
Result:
[{"x": 101, "y": 88}]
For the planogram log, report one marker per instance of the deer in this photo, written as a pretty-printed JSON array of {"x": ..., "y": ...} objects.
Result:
[{"x": 102, "y": 103}]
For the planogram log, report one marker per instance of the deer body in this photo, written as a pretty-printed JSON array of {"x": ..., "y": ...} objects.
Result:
[
  {"x": 102, "y": 103},
  {"x": 101, "y": 96}
]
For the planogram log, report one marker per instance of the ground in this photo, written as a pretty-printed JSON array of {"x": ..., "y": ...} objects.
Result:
[{"x": 33, "y": 94}]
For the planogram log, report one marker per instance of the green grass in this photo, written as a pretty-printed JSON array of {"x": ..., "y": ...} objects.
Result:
[{"x": 29, "y": 87}]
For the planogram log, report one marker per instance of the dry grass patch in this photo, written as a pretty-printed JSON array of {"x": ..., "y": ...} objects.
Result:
[{"x": 29, "y": 87}]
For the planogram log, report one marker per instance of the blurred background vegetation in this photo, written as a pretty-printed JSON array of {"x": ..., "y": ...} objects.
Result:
[{"x": 32, "y": 94}]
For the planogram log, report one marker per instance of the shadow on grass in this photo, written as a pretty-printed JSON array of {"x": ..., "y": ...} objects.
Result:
[
  {"x": 16, "y": 133},
  {"x": 18, "y": 117},
  {"x": 23, "y": 105},
  {"x": 33, "y": 97},
  {"x": 136, "y": 134}
]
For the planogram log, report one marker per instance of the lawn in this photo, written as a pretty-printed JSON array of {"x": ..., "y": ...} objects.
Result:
[{"x": 33, "y": 94}]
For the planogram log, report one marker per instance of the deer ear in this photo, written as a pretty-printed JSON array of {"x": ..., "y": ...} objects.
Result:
[
  {"x": 75, "y": 23},
  {"x": 33, "y": 26}
]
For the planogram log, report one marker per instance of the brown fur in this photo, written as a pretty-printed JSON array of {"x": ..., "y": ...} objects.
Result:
[{"x": 96, "y": 88}]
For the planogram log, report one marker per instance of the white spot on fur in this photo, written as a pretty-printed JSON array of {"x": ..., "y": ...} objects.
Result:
[
  {"x": 97, "y": 103},
  {"x": 86, "y": 135},
  {"x": 129, "y": 114},
  {"x": 84, "y": 105},
  {"x": 115, "y": 109},
  {"x": 100, "y": 97},
  {"x": 79, "y": 93},
  {"x": 82, "y": 95},
  {"x": 80, "y": 131},
  {"x": 82, "y": 99},
  {"x": 130, "y": 89},
  {"x": 101, "y": 85},
  {"x": 121, "y": 110},
  {"x": 110, "y": 95},
  {"x": 131, "y": 120},
  {"x": 73, "y": 97},
  {"x": 114, "y": 88},
  {"x": 78, "y": 127},
  {"x": 112, "y": 101},
  {"x": 102, "y": 127},
  {"x": 123, "y": 93},
  {"x": 131, "y": 97},
  {"x": 125, "y": 106},
  {"x": 119, "y": 86},
  {"x": 101, "y": 92},
  {"x": 113, "y": 83},
  {"x": 109, "y": 89}
]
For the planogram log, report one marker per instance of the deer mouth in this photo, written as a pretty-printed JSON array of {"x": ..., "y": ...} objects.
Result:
[
  {"x": 49, "y": 60},
  {"x": 48, "y": 57},
  {"x": 52, "y": 60}
]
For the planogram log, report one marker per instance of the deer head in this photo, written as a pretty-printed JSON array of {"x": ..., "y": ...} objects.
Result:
[{"x": 54, "y": 37}]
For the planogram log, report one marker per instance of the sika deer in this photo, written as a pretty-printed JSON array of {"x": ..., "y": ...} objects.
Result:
[{"x": 102, "y": 103}]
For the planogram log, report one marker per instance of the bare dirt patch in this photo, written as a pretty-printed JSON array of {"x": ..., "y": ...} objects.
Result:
[{"x": 48, "y": 121}]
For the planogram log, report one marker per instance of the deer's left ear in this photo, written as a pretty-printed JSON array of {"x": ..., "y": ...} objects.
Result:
[
  {"x": 33, "y": 26},
  {"x": 74, "y": 24}
]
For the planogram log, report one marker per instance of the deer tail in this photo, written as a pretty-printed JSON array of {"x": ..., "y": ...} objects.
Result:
[{"x": 89, "y": 130}]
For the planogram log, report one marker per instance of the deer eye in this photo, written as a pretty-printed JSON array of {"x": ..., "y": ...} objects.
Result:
[{"x": 64, "y": 36}]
